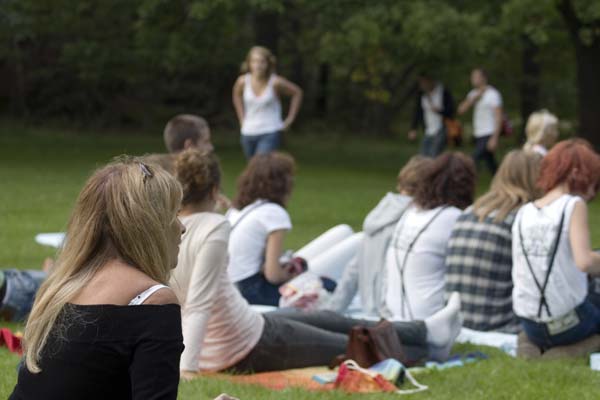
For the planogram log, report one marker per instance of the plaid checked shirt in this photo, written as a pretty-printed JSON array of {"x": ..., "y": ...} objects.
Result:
[{"x": 479, "y": 263}]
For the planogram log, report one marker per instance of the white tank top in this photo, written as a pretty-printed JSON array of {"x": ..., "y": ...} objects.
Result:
[
  {"x": 567, "y": 285},
  {"x": 262, "y": 114}
]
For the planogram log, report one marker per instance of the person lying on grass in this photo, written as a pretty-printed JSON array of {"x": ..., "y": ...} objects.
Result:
[
  {"x": 18, "y": 289},
  {"x": 104, "y": 325},
  {"x": 552, "y": 255},
  {"x": 260, "y": 222},
  {"x": 222, "y": 333},
  {"x": 479, "y": 259}
]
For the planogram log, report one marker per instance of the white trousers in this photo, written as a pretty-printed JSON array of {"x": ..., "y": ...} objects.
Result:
[{"x": 328, "y": 254}]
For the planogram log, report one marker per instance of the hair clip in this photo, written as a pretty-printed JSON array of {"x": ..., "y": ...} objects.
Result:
[{"x": 146, "y": 171}]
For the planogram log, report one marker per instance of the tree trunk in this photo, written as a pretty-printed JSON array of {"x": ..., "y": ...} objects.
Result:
[
  {"x": 266, "y": 30},
  {"x": 588, "y": 84},
  {"x": 587, "y": 56},
  {"x": 323, "y": 90},
  {"x": 530, "y": 82}
]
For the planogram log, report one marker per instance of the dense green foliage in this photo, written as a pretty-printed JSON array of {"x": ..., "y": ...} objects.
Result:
[{"x": 140, "y": 61}]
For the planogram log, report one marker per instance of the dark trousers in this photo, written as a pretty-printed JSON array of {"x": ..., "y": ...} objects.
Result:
[
  {"x": 297, "y": 339},
  {"x": 482, "y": 153},
  {"x": 434, "y": 145}
]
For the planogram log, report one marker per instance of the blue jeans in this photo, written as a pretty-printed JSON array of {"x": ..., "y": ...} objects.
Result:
[
  {"x": 21, "y": 288},
  {"x": 260, "y": 144},
  {"x": 257, "y": 290},
  {"x": 589, "y": 324},
  {"x": 434, "y": 145}
]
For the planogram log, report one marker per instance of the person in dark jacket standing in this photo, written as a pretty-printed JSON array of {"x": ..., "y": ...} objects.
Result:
[{"x": 434, "y": 104}]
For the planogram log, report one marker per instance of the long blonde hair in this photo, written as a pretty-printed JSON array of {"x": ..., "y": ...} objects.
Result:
[
  {"x": 124, "y": 211},
  {"x": 264, "y": 52},
  {"x": 541, "y": 129},
  {"x": 513, "y": 185}
]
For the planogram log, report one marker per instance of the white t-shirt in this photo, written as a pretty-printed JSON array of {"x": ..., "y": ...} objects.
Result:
[
  {"x": 567, "y": 285},
  {"x": 484, "y": 115},
  {"x": 433, "y": 120},
  {"x": 425, "y": 268},
  {"x": 249, "y": 236},
  {"x": 213, "y": 312}
]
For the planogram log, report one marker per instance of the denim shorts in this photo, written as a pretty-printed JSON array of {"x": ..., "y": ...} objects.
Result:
[
  {"x": 260, "y": 144},
  {"x": 21, "y": 288}
]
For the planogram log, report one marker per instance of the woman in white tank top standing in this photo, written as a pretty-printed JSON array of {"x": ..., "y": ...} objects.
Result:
[{"x": 256, "y": 98}]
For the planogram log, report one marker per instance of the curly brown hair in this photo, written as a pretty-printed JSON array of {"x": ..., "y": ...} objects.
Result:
[
  {"x": 198, "y": 173},
  {"x": 448, "y": 180},
  {"x": 267, "y": 176},
  {"x": 409, "y": 177}
]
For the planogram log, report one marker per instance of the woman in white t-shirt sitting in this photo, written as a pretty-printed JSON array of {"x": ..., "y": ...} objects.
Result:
[
  {"x": 220, "y": 329},
  {"x": 259, "y": 224},
  {"x": 552, "y": 255},
  {"x": 415, "y": 259}
]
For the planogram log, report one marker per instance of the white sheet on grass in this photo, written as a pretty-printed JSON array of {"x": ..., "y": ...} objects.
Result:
[{"x": 50, "y": 239}]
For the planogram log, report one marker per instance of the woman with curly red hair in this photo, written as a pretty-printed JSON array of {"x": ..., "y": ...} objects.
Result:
[
  {"x": 552, "y": 255},
  {"x": 415, "y": 260},
  {"x": 260, "y": 222}
]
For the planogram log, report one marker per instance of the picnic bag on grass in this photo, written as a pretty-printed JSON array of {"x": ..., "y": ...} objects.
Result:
[
  {"x": 352, "y": 378},
  {"x": 368, "y": 346}
]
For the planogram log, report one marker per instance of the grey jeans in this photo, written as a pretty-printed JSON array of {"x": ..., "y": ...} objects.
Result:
[{"x": 296, "y": 339}]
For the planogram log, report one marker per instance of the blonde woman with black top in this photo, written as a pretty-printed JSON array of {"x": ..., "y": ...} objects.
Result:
[{"x": 104, "y": 324}]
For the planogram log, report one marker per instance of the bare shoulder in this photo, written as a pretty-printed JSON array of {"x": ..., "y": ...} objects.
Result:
[
  {"x": 163, "y": 296},
  {"x": 115, "y": 283},
  {"x": 240, "y": 81}
]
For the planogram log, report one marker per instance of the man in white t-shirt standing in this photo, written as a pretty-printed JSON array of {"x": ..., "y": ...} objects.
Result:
[{"x": 487, "y": 117}]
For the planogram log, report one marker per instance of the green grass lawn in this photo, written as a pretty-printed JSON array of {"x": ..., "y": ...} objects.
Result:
[{"x": 339, "y": 179}]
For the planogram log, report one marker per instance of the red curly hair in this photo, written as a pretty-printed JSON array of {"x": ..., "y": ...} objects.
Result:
[
  {"x": 448, "y": 180},
  {"x": 267, "y": 176},
  {"x": 573, "y": 162}
]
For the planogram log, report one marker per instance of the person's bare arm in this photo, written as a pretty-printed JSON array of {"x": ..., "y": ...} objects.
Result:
[
  {"x": 237, "y": 98},
  {"x": 287, "y": 88},
  {"x": 272, "y": 269},
  {"x": 586, "y": 260},
  {"x": 492, "y": 144},
  {"x": 468, "y": 102}
]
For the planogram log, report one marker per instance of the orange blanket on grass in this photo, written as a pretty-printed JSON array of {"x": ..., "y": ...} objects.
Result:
[{"x": 279, "y": 380}]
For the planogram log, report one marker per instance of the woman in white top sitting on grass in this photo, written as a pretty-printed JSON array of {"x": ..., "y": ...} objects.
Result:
[
  {"x": 260, "y": 221},
  {"x": 365, "y": 273},
  {"x": 221, "y": 331},
  {"x": 552, "y": 256},
  {"x": 542, "y": 132},
  {"x": 256, "y": 98},
  {"x": 415, "y": 259}
]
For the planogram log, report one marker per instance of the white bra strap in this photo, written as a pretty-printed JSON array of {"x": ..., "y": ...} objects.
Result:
[{"x": 142, "y": 297}]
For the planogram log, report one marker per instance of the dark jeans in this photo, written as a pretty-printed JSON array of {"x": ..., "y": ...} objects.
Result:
[
  {"x": 297, "y": 339},
  {"x": 434, "y": 145},
  {"x": 19, "y": 293},
  {"x": 260, "y": 144},
  {"x": 589, "y": 324},
  {"x": 482, "y": 153},
  {"x": 257, "y": 290}
]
